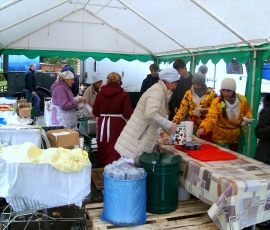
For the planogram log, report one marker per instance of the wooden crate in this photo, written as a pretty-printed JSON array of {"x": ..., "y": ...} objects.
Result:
[{"x": 190, "y": 214}]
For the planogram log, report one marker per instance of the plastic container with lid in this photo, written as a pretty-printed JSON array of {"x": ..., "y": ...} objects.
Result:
[{"x": 161, "y": 182}]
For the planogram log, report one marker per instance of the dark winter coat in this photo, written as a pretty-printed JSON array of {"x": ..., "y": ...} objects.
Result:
[
  {"x": 111, "y": 99},
  {"x": 75, "y": 85},
  {"x": 262, "y": 132},
  {"x": 30, "y": 80},
  {"x": 148, "y": 82},
  {"x": 182, "y": 86}
]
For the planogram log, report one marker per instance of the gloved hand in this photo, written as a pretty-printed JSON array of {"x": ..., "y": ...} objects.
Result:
[{"x": 173, "y": 128}]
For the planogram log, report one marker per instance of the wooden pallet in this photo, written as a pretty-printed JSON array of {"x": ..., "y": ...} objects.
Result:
[
  {"x": 97, "y": 178},
  {"x": 190, "y": 214}
]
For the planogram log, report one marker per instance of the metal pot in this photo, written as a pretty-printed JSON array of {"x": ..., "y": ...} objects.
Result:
[{"x": 91, "y": 126}]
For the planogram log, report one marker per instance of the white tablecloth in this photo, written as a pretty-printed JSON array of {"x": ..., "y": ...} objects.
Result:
[
  {"x": 42, "y": 183},
  {"x": 17, "y": 137}
]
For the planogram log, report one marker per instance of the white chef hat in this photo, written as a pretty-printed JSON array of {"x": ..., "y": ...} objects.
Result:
[
  {"x": 96, "y": 77},
  {"x": 169, "y": 75}
]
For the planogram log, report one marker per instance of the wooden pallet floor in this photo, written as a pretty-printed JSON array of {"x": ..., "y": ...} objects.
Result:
[
  {"x": 97, "y": 177},
  {"x": 190, "y": 215}
]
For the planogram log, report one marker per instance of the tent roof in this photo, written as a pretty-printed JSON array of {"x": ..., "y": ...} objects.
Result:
[{"x": 143, "y": 30}]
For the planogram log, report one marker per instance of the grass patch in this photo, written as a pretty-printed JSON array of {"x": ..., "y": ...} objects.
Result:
[{"x": 3, "y": 83}]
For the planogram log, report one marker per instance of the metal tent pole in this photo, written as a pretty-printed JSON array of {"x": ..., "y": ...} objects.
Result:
[
  {"x": 32, "y": 16},
  {"x": 155, "y": 26},
  {"x": 9, "y": 4},
  {"x": 252, "y": 97}
]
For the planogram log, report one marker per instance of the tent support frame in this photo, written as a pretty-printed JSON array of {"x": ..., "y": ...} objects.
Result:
[
  {"x": 252, "y": 98},
  {"x": 122, "y": 33},
  {"x": 9, "y": 4},
  {"x": 90, "y": 4},
  {"x": 219, "y": 52},
  {"x": 38, "y": 29},
  {"x": 152, "y": 24},
  {"x": 32, "y": 16},
  {"x": 222, "y": 23}
]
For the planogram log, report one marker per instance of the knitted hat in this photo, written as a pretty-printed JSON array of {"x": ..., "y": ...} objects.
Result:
[
  {"x": 169, "y": 75},
  {"x": 228, "y": 83},
  {"x": 199, "y": 77},
  {"x": 96, "y": 77},
  {"x": 203, "y": 69}
]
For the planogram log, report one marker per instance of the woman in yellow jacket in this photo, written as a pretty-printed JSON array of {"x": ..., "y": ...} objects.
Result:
[
  {"x": 196, "y": 102},
  {"x": 224, "y": 117}
]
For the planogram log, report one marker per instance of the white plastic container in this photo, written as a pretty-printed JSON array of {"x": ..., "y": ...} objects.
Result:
[
  {"x": 183, "y": 194},
  {"x": 179, "y": 137},
  {"x": 189, "y": 131}
]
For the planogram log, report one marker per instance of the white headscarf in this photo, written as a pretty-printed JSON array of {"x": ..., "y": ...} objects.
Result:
[
  {"x": 64, "y": 75},
  {"x": 96, "y": 77},
  {"x": 169, "y": 75}
]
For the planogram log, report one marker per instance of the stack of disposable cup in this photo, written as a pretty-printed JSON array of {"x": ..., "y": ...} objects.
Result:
[{"x": 189, "y": 131}]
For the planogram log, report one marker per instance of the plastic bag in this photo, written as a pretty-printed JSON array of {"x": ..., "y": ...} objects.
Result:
[
  {"x": 124, "y": 201},
  {"x": 133, "y": 174},
  {"x": 87, "y": 110}
]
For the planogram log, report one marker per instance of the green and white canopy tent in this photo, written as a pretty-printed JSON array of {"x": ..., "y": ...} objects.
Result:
[{"x": 144, "y": 30}]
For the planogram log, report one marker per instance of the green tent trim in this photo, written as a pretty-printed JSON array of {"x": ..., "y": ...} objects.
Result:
[
  {"x": 241, "y": 54},
  {"x": 80, "y": 55}
]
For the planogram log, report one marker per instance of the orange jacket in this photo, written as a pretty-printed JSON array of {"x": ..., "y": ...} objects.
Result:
[
  {"x": 187, "y": 107},
  {"x": 224, "y": 130}
]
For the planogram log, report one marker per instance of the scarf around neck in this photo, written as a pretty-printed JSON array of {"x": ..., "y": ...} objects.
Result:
[
  {"x": 232, "y": 109},
  {"x": 200, "y": 92}
]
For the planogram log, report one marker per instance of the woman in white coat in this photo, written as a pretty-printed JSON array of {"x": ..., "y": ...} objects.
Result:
[{"x": 141, "y": 132}]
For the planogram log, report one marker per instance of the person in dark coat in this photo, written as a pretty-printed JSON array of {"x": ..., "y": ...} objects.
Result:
[
  {"x": 183, "y": 85},
  {"x": 151, "y": 79},
  {"x": 31, "y": 87},
  {"x": 112, "y": 107},
  {"x": 262, "y": 132},
  {"x": 75, "y": 86}
]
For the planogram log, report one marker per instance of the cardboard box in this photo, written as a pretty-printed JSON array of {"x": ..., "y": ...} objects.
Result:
[
  {"x": 25, "y": 110},
  {"x": 63, "y": 138},
  {"x": 19, "y": 102}
]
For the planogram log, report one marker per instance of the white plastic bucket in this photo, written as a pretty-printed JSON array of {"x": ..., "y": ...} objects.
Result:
[{"x": 183, "y": 194}]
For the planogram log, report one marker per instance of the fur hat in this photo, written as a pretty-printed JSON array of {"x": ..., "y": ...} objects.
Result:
[
  {"x": 228, "y": 83},
  {"x": 199, "y": 77},
  {"x": 169, "y": 75},
  {"x": 96, "y": 77}
]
